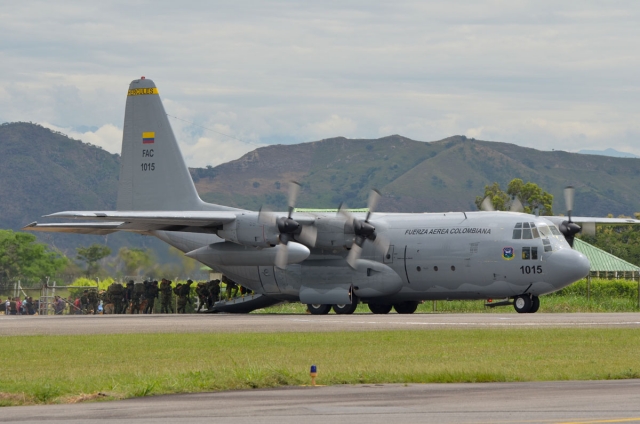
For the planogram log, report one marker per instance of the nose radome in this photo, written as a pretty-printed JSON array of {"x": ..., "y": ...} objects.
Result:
[{"x": 568, "y": 266}]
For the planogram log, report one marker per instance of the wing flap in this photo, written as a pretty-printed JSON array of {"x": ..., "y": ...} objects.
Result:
[{"x": 95, "y": 228}]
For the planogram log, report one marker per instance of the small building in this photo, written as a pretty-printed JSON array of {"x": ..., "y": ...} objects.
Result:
[{"x": 604, "y": 264}]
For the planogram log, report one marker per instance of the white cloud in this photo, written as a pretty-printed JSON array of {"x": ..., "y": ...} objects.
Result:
[
  {"x": 332, "y": 126},
  {"x": 541, "y": 74},
  {"x": 108, "y": 136}
]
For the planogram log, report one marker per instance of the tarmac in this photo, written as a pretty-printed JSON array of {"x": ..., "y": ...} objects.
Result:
[
  {"x": 538, "y": 402},
  {"x": 531, "y": 402},
  {"x": 233, "y": 323}
]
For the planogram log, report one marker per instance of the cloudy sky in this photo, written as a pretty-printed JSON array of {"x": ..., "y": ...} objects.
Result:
[{"x": 543, "y": 74}]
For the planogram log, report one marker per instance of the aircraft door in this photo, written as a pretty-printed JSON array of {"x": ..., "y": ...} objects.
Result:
[{"x": 268, "y": 279}]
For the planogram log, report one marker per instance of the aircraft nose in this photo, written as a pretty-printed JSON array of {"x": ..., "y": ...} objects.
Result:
[{"x": 568, "y": 266}]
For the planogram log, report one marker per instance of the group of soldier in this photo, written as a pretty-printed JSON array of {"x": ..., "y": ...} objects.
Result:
[{"x": 140, "y": 298}]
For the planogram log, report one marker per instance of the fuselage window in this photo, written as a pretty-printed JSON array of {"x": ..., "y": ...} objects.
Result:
[
  {"x": 547, "y": 245},
  {"x": 534, "y": 253},
  {"x": 526, "y": 253}
]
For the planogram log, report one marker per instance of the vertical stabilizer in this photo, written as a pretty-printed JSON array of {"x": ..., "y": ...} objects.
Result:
[{"x": 153, "y": 174}]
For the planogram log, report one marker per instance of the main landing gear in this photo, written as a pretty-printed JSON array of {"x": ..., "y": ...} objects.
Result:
[
  {"x": 338, "y": 309},
  {"x": 526, "y": 304}
]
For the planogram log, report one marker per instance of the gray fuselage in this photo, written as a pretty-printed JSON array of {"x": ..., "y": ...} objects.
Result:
[{"x": 471, "y": 255}]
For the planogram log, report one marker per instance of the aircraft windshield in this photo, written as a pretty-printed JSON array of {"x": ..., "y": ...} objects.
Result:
[{"x": 525, "y": 231}]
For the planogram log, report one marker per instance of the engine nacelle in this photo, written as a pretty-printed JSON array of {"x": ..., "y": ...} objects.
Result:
[
  {"x": 247, "y": 230},
  {"x": 232, "y": 254},
  {"x": 333, "y": 233}
]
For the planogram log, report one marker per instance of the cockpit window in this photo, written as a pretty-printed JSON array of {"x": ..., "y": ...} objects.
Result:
[
  {"x": 544, "y": 230},
  {"x": 517, "y": 234},
  {"x": 534, "y": 231},
  {"x": 519, "y": 225},
  {"x": 555, "y": 231},
  {"x": 525, "y": 225}
]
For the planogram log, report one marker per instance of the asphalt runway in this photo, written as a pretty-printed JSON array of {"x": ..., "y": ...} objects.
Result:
[
  {"x": 540, "y": 402},
  {"x": 232, "y": 323}
]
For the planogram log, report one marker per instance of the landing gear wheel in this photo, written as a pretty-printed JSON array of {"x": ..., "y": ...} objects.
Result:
[
  {"x": 345, "y": 309},
  {"x": 535, "y": 304},
  {"x": 319, "y": 309},
  {"x": 379, "y": 309},
  {"x": 522, "y": 304},
  {"x": 406, "y": 307}
]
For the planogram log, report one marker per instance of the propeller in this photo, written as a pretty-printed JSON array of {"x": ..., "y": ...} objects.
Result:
[
  {"x": 364, "y": 230},
  {"x": 289, "y": 229},
  {"x": 516, "y": 205},
  {"x": 569, "y": 228},
  {"x": 487, "y": 205}
]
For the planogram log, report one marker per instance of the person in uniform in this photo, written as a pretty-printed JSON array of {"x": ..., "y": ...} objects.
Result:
[
  {"x": 165, "y": 297},
  {"x": 182, "y": 291},
  {"x": 214, "y": 292},
  {"x": 150, "y": 295},
  {"x": 84, "y": 302},
  {"x": 128, "y": 296},
  {"x": 203, "y": 295},
  {"x": 93, "y": 301},
  {"x": 115, "y": 295},
  {"x": 231, "y": 287}
]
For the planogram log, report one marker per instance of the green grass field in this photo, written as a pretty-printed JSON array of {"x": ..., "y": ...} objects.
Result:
[{"x": 51, "y": 369}]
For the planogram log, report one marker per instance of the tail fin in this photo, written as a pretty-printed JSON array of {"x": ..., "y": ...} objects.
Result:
[{"x": 153, "y": 174}]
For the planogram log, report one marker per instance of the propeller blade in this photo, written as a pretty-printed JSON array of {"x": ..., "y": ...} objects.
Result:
[
  {"x": 487, "y": 205},
  {"x": 374, "y": 197},
  {"x": 266, "y": 216},
  {"x": 294, "y": 189},
  {"x": 282, "y": 256},
  {"x": 354, "y": 255},
  {"x": 516, "y": 205},
  {"x": 569, "y": 194},
  {"x": 381, "y": 245},
  {"x": 308, "y": 235}
]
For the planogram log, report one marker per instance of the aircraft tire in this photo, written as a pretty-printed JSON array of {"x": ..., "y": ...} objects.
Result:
[
  {"x": 535, "y": 304},
  {"x": 345, "y": 309},
  {"x": 380, "y": 309},
  {"x": 319, "y": 309},
  {"x": 405, "y": 307},
  {"x": 522, "y": 304}
]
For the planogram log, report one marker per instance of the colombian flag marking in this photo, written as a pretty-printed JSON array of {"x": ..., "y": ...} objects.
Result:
[{"x": 148, "y": 137}]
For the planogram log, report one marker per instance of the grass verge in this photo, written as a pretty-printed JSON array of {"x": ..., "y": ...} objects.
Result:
[{"x": 55, "y": 369}]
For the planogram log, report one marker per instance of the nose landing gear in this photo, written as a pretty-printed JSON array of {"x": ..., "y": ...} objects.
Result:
[{"x": 526, "y": 304}]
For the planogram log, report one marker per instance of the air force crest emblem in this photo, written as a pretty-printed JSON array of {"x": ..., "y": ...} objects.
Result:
[{"x": 507, "y": 253}]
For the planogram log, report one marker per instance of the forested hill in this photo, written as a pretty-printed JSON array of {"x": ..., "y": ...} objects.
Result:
[
  {"x": 43, "y": 172},
  {"x": 415, "y": 176}
]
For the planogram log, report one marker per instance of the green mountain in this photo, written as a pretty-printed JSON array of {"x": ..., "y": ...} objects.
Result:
[
  {"x": 42, "y": 172},
  {"x": 415, "y": 176}
]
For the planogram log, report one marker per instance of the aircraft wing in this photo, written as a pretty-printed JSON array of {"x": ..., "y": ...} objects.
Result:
[
  {"x": 593, "y": 220},
  {"x": 134, "y": 221},
  {"x": 95, "y": 228}
]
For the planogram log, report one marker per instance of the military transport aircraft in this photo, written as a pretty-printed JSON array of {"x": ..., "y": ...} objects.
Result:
[{"x": 330, "y": 260}]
